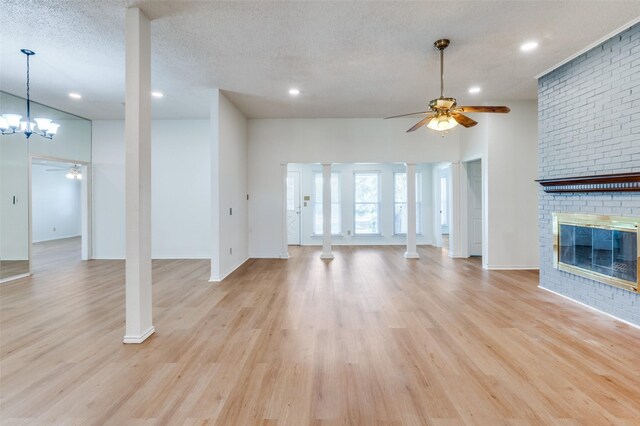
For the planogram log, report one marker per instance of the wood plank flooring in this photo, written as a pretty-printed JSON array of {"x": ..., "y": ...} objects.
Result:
[{"x": 369, "y": 338}]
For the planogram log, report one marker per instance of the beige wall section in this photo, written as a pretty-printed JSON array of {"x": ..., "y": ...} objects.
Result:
[
  {"x": 507, "y": 145},
  {"x": 229, "y": 188}
]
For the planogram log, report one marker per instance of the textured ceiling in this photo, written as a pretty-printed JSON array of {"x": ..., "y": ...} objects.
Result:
[{"x": 349, "y": 59}]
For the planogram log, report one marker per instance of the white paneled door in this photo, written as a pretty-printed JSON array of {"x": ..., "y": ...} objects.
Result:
[
  {"x": 474, "y": 204},
  {"x": 293, "y": 208}
]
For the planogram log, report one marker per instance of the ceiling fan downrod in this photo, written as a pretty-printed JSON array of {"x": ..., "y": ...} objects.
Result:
[{"x": 441, "y": 44}]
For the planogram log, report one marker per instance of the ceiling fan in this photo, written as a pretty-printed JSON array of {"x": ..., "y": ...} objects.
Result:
[
  {"x": 74, "y": 172},
  {"x": 443, "y": 113}
]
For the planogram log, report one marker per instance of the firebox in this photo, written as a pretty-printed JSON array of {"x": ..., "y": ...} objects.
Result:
[{"x": 601, "y": 248}]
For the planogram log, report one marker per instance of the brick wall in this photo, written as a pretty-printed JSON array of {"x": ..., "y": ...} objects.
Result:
[{"x": 589, "y": 123}]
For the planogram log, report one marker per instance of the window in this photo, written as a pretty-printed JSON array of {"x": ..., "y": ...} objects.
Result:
[
  {"x": 400, "y": 203},
  {"x": 444, "y": 214},
  {"x": 336, "y": 208},
  {"x": 367, "y": 201}
]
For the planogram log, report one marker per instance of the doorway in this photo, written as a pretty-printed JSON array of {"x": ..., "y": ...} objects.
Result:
[
  {"x": 59, "y": 225},
  {"x": 474, "y": 207},
  {"x": 293, "y": 208}
]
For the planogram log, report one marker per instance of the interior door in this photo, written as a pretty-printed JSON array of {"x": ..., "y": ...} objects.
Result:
[
  {"x": 293, "y": 208},
  {"x": 474, "y": 204}
]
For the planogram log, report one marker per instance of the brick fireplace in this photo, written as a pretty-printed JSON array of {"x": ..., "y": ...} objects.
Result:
[{"x": 589, "y": 124}]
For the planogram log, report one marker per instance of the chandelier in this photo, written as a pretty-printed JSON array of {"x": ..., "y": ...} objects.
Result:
[
  {"x": 74, "y": 173},
  {"x": 12, "y": 123}
]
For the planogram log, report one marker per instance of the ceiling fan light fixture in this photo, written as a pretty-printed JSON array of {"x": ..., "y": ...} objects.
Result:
[{"x": 442, "y": 123}]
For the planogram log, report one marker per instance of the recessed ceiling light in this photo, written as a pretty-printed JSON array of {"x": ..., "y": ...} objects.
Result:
[
  {"x": 75, "y": 95},
  {"x": 157, "y": 94},
  {"x": 475, "y": 89},
  {"x": 530, "y": 45},
  {"x": 294, "y": 92}
]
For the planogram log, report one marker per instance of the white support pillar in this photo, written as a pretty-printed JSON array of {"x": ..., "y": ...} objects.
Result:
[
  {"x": 284, "y": 251},
  {"x": 326, "y": 212},
  {"x": 411, "y": 252},
  {"x": 138, "y": 176}
]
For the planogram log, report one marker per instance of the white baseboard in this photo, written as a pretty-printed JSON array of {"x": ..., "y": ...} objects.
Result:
[
  {"x": 217, "y": 280},
  {"x": 139, "y": 339},
  {"x": 590, "y": 307},
  {"x": 265, "y": 256},
  {"x": 327, "y": 256},
  {"x": 15, "y": 277},
  {"x": 56, "y": 238},
  {"x": 510, "y": 267},
  {"x": 412, "y": 255}
]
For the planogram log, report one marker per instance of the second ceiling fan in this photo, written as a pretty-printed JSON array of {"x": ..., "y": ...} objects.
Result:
[{"x": 443, "y": 113}]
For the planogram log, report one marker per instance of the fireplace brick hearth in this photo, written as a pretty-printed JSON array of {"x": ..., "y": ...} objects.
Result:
[{"x": 589, "y": 124}]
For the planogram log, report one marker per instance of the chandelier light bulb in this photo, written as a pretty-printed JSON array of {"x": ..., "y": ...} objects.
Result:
[
  {"x": 13, "y": 120},
  {"x": 52, "y": 129},
  {"x": 69, "y": 175},
  {"x": 43, "y": 124},
  {"x": 4, "y": 124}
]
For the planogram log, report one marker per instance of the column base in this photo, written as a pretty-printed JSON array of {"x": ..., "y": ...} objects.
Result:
[
  {"x": 326, "y": 256},
  {"x": 413, "y": 255},
  {"x": 139, "y": 339}
]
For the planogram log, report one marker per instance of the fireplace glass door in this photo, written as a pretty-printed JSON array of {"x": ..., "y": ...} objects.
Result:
[{"x": 605, "y": 253}]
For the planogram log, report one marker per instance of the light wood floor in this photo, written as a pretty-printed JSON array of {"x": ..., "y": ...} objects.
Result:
[{"x": 369, "y": 338}]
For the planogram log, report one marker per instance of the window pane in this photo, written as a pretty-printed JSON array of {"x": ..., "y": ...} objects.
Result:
[
  {"x": 335, "y": 188},
  {"x": 317, "y": 219},
  {"x": 335, "y": 218},
  {"x": 366, "y": 218},
  {"x": 318, "y": 188},
  {"x": 290, "y": 194},
  {"x": 366, "y": 187},
  {"x": 400, "y": 194},
  {"x": 400, "y": 218}
]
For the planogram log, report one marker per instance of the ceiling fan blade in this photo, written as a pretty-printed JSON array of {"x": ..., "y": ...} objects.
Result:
[
  {"x": 405, "y": 115},
  {"x": 421, "y": 123},
  {"x": 55, "y": 170},
  {"x": 463, "y": 120},
  {"x": 501, "y": 109}
]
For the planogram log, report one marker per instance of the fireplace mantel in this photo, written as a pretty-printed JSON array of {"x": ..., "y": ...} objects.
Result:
[{"x": 619, "y": 182}]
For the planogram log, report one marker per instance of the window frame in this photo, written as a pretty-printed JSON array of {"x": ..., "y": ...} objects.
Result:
[{"x": 378, "y": 204}]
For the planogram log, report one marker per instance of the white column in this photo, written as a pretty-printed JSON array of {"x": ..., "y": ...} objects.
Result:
[
  {"x": 411, "y": 252},
  {"x": 326, "y": 212},
  {"x": 138, "y": 176},
  {"x": 284, "y": 251}
]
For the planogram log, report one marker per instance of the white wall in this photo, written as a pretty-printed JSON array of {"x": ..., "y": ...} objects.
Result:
[
  {"x": 56, "y": 208},
  {"x": 507, "y": 145},
  {"x": 14, "y": 182},
  {"x": 181, "y": 189},
  {"x": 386, "y": 213},
  {"x": 276, "y": 141},
  {"x": 229, "y": 187}
]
